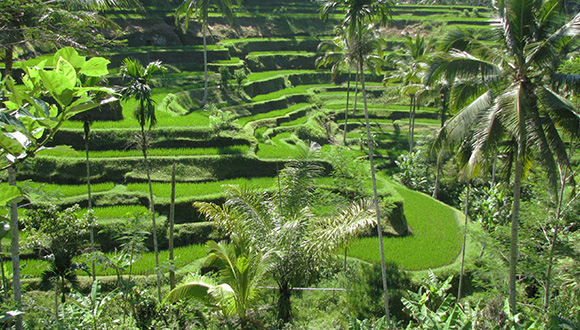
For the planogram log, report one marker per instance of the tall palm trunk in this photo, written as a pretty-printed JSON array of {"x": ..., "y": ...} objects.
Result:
[
  {"x": 87, "y": 129},
  {"x": 151, "y": 208},
  {"x": 284, "y": 307},
  {"x": 16, "y": 287},
  {"x": 437, "y": 174},
  {"x": 171, "y": 227},
  {"x": 356, "y": 79},
  {"x": 412, "y": 101},
  {"x": 466, "y": 215},
  {"x": 515, "y": 221},
  {"x": 376, "y": 196},
  {"x": 346, "y": 110},
  {"x": 204, "y": 27},
  {"x": 555, "y": 234}
]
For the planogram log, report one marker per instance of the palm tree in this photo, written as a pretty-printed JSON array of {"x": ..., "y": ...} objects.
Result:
[
  {"x": 511, "y": 98},
  {"x": 138, "y": 79},
  {"x": 357, "y": 15},
  {"x": 338, "y": 54},
  {"x": 200, "y": 9},
  {"x": 411, "y": 68},
  {"x": 242, "y": 269},
  {"x": 338, "y": 229}
]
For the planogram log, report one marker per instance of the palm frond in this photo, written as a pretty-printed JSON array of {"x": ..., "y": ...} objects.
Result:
[{"x": 198, "y": 287}]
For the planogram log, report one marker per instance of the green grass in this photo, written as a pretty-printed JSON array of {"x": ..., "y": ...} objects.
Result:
[
  {"x": 256, "y": 76},
  {"x": 239, "y": 149},
  {"x": 144, "y": 266},
  {"x": 273, "y": 114},
  {"x": 116, "y": 212},
  {"x": 66, "y": 190},
  {"x": 281, "y": 52},
  {"x": 301, "y": 89},
  {"x": 436, "y": 239},
  {"x": 299, "y": 121},
  {"x": 278, "y": 148},
  {"x": 202, "y": 188}
]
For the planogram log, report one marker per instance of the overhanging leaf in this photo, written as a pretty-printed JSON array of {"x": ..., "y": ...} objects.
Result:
[
  {"x": 66, "y": 69},
  {"x": 95, "y": 67},
  {"x": 71, "y": 56},
  {"x": 7, "y": 194}
]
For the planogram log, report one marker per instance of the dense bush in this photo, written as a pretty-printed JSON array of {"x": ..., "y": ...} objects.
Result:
[{"x": 194, "y": 233}]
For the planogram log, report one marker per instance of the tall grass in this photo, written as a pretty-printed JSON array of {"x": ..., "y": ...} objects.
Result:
[{"x": 436, "y": 239}]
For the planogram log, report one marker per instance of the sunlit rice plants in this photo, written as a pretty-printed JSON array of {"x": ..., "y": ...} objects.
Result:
[
  {"x": 239, "y": 149},
  {"x": 201, "y": 188},
  {"x": 66, "y": 190},
  {"x": 116, "y": 212},
  {"x": 436, "y": 238},
  {"x": 183, "y": 256}
]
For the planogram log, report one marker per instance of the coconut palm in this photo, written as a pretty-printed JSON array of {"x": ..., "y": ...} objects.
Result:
[
  {"x": 358, "y": 14},
  {"x": 512, "y": 99},
  {"x": 411, "y": 68},
  {"x": 338, "y": 54},
  {"x": 138, "y": 87},
  {"x": 200, "y": 9}
]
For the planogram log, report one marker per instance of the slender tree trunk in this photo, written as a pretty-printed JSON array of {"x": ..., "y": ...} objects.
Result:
[
  {"x": 16, "y": 287},
  {"x": 152, "y": 210},
  {"x": 466, "y": 215},
  {"x": 356, "y": 79},
  {"x": 56, "y": 317},
  {"x": 204, "y": 99},
  {"x": 4, "y": 284},
  {"x": 9, "y": 60},
  {"x": 515, "y": 224},
  {"x": 87, "y": 129},
  {"x": 437, "y": 175},
  {"x": 413, "y": 101},
  {"x": 376, "y": 195},
  {"x": 171, "y": 226},
  {"x": 443, "y": 106},
  {"x": 346, "y": 110},
  {"x": 493, "y": 168},
  {"x": 284, "y": 307},
  {"x": 554, "y": 239},
  {"x": 345, "y": 254}
]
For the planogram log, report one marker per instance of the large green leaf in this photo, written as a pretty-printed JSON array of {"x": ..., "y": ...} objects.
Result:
[
  {"x": 7, "y": 194},
  {"x": 56, "y": 84},
  {"x": 193, "y": 290},
  {"x": 95, "y": 67},
  {"x": 11, "y": 142},
  {"x": 66, "y": 69},
  {"x": 71, "y": 56}
]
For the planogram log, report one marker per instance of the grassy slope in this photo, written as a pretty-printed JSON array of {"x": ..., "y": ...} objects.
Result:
[{"x": 436, "y": 239}]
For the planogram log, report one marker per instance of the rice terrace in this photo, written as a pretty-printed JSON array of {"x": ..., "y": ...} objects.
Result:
[{"x": 302, "y": 164}]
